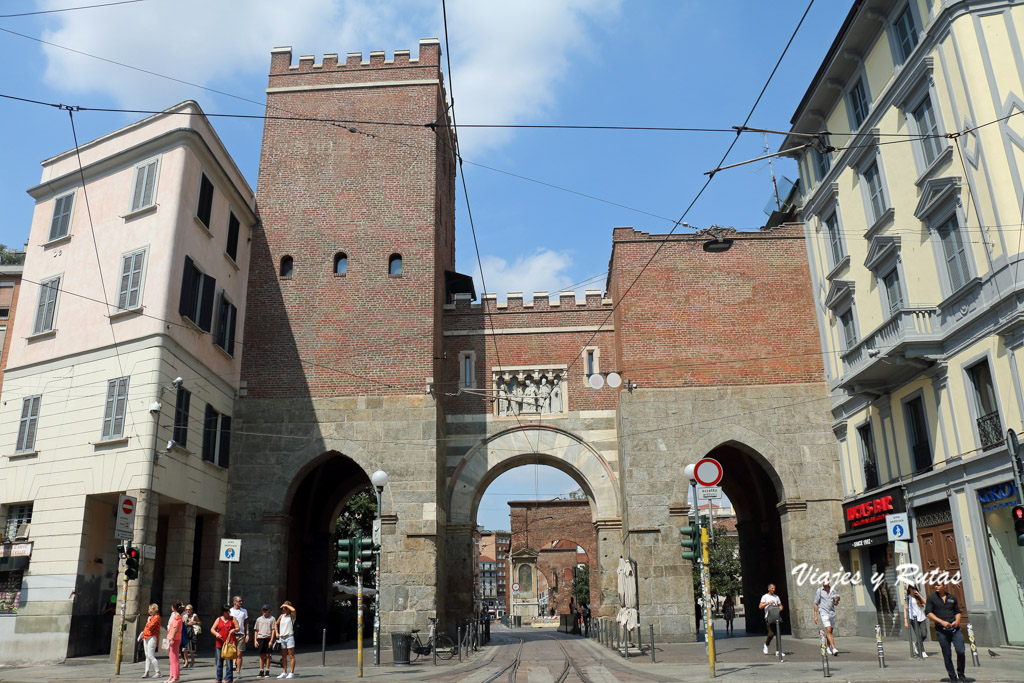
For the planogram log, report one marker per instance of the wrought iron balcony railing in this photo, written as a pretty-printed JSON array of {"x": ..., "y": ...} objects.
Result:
[{"x": 990, "y": 431}]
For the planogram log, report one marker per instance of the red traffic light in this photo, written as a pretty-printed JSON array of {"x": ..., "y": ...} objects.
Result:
[
  {"x": 133, "y": 553},
  {"x": 1018, "y": 513}
]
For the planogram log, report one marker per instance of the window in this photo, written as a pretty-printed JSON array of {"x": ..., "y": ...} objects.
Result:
[
  {"x": 876, "y": 195},
  {"x": 893, "y": 291},
  {"x": 927, "y": 125},
  {"x": 990, "y": 432},
  {"x": 867, "y": 449},
  {"x": 823, "y": 162},
  {"x": 467, "y": 369},
  {"x": 117, "y": 403},
  {"x": 340, "y": 263},
  {"x": 835, "y": 240},
  {"x": 61, "y": 221},
  {"x": 27, "y": 425},
  {"x": 216, "y": 437},
  {"x": 917, "y": 434},
  {"x": 849, "y": 327},
  {"x": 144, "y": 186},
  {"x": 10, "y": 591},
  {"x": 395, "y": 265},
  {"x": 858, "y": 103},
  {"x": 181, "y": 404},
  {"x": 19, "y": 518},
  {"x": 904, "y": 34},
  {"x": 205, "y": 208},
  {"x": 47, "y": 307},
  {"x": 196, "y": 301},
  {"x": 954, "y": 253},
  {"x": 591, "y": 361},
  {"x": 6, "y": 299},
  {"x": 131, "y": 281},
  {"x": 287, "y": 266},
  {"x": 232, "y": 246},
  {"x": 226, "y": 317}
]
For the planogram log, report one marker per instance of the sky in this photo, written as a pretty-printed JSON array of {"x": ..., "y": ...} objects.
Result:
[{"x": 543, "y": 202}]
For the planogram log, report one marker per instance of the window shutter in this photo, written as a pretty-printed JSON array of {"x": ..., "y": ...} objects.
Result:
[
  {"x": 232, "y": 246},
  {"x": 220, "y": 338},
  {"x": 209, "y": 433},
  {"x": 33, "y": 419},
  {"x": 126, "y": 278},
  {"x": 26, "y": 406},
  {"x": 224, "y": 454},
  {"x": 120, "y": 406},
  {"x": 230, "y": 348},
  {"x": 145, "y": 183},
  {"x": 61, "y": 216},
  {"x": 108, "y": 413},
  {"x": 185, "y": 304},
  {"x": 47, "y": 304},
  {"x": 209, "y": 285},
  {"x": 205, "y": 208},
  {"x": 136, "y": 279},
  {"x": 41, "y": 310}
]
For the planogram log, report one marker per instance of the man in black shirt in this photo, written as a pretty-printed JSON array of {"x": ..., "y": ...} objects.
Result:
[{"x": 944, "y": 610}]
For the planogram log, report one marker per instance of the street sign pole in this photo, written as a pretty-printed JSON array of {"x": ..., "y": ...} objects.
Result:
[
  {"x": 359, "y": 621},
  {"x": 230, "y": 552},
  {"x": 120, "y": 633},
  {"x": 709, "y": 617}
]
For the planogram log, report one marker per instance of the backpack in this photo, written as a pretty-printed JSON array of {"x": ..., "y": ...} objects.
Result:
[{"x": 773, "y": 614}]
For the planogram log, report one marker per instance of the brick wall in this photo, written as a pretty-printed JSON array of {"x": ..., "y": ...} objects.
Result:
[
  {"x": 8, "y": 299},
  {"x": 383, "y": 190},
  {"x": 740, "y": 317}
]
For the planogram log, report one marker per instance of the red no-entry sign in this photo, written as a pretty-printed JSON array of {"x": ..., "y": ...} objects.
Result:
[
  {"x": 708, "y": 472},
  {"x": 125, "y": 525},
  {"x": 127, "y": 506}
]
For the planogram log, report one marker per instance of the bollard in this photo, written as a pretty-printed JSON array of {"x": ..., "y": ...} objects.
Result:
[
  {"x": 458, "y": 636},
  {"x": 323, "y": 650},
  {"x": 824, "y": 654},
  {"x": 778, "y": 638},
  {"x": 974, "y": 649},
  {"x": 639, "y": 640},
  {"x": 434, "y": 650},
  {"x": 616, "y": 636},
  {"x": 881, "y": 649},
  {"x": 652, "y": 643}
]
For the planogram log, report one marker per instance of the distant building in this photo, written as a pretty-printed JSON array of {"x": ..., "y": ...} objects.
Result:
[
  {"x": 493, "y": 570},
  {"x": 11, "y": 267},
  {"x": 121, "y": 376}
]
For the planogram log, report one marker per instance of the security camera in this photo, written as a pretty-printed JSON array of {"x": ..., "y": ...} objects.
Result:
[
  {"x": 170, "y": 445},
  {"x": 155, "y": 407},
  {"x": 177, "y": 382}
]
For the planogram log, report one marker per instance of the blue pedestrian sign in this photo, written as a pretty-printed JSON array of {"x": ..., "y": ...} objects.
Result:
[
  {"x": 230, "y": 549},
  {"x": 898, "y": 526}
]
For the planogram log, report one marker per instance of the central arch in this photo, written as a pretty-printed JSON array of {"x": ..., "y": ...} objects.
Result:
[{"x": 531, "y": 445}]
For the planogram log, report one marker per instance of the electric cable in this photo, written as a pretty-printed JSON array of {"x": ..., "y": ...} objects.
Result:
[{"x": 69, "y": 9}]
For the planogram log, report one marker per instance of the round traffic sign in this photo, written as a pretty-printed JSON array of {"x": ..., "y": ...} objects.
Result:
[
  {"x": 515, "y": 586},
  {"x": 127, "y": 506},
  {"x": 229, "y": 553},
  {"x": 708, "y": 472}
]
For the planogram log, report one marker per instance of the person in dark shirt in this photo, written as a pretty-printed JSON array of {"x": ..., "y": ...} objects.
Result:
[{"x": 944, "y": 610}]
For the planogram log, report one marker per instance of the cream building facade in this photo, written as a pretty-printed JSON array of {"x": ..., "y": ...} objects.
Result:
[
  {"x": 910, "y": 144},
  {"x": 123, "y": 369}
]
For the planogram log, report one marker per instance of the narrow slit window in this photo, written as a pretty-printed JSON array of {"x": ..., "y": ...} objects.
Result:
[
  {"x": 287, "y": 266},
  {"x": 395, "y": 265},
  {"x": 340, "y": 263}
]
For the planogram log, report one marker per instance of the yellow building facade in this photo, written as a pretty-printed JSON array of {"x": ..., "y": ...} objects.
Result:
[{"x": 910, "y": 145}]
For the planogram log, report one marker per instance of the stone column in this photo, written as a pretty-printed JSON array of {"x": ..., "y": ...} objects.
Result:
[
  {"x": 609, "y": 549},
  {"x": 810, "y": 529},
  {"x": 147, "y": 508},
  {"x": 181, "y": 535}
]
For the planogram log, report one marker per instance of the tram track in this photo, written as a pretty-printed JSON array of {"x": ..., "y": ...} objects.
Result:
[
  {"x": 570, "y": 665},
  {"x": 512, "y": 668}
]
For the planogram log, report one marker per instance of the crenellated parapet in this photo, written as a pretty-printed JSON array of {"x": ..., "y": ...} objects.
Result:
[
  {"x": 593, "y": 300},
  {"x": 281, "y": 60}
]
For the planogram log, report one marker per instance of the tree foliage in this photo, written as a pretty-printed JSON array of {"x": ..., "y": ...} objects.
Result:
[
  {"x": 9, "y": 257},
  {"x": 581, "y": 585},
  {"x": 723, "y": 567}
]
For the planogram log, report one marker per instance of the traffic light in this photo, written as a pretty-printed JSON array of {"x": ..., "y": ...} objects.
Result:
[
  {"x": 131, "y": 564},
  {"x": 1017, "y": 512},
  {"x": 367, "y": 549},
  {"x": 347, "y": 555},
  {"x": 690, "y": 542}
]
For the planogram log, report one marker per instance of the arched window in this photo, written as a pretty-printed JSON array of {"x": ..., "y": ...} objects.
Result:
[
  {"x": 286, "y": 266},
  {"x": 340, "y": 263},
  {"x": 395, "y": 264}
]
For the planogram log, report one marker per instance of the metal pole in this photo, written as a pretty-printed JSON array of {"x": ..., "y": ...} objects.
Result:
[
  {"x": 120, "y": 634},
  {"x": 323, "y": 650},
  {"x": 881, "y": 649},
  {"x": 709, "y": 622},
  {"x": 376, "y": 583},
  {"x": 228, "y": 601},
  {"x": 359, "y": 621},
  {"x": 974, "y": 649},
  {"x": 458, "y": 637},
  {"x": 824, "y": 654},
  {"x": 652, "y": 643}
]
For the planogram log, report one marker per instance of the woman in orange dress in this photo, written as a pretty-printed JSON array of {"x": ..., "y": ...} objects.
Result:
[{"x": 148, "y": 639}]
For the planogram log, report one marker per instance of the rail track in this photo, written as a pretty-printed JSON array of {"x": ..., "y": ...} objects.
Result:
[
  {"x": 570, "y": 665},
  {"x": 512, "y": 668}
]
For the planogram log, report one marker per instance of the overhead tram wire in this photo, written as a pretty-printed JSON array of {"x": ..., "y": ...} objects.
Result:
[
  {"x": 700, "y": 192},
  {"x": 69, "y": 9}
]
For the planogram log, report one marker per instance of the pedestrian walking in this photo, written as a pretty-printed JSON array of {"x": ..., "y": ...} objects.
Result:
[
  {"x": 241, "y": 615},
  {"x": 284, "y": 631},
  {"x": 943, "y": 608},
  {"x": 586, "y": 620},
  {"x": 224, "y": 630},
  {"x": 174, "y": 641},
  {"x": 728, "y": 613},
  {"x": 192, "y": 625},
  {"x": 262, "y": 633},
  {"x": 772, "y": 606},
  {"x": 825, "y": 602},
  {"x": 148, "y": 639},
  {"x": 914, "y": 618}
]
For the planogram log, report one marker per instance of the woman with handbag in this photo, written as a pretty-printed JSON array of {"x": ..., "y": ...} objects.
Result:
[
  {"x": 192, "y": 624},
  {"x": 148, "y": 639},
  {"x": 174, "y": 642},
  {"x": 224, "y": 630}
]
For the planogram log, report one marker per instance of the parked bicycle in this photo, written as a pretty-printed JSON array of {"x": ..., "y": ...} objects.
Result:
[{"x": 444, "y": 645}]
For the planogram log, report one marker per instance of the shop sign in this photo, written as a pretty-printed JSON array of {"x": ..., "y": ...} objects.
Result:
[
  {"x": 998, "y": 496},
  {"x": 16, "y": 550},
  {"x": 868, "y": 513}
]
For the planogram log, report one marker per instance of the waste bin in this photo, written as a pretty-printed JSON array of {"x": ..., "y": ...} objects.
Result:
[
  {"x": 517, "y": 621},
  {"x": 401, "y": 642}
]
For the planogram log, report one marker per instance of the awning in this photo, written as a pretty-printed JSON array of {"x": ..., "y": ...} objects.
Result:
[
  {"x": 862, "y": 538},
  {"x": 10, "y": 564}
]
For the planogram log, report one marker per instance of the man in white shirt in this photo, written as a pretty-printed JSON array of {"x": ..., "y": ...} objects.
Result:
[
  {"x": 241, "y": 615},
  {"x": 825, "y": 601},
  {"x": 769, "y": 601}
]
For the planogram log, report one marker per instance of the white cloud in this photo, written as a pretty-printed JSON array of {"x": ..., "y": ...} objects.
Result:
[
  {"x": 508, "y": 58},
  {"x": 542, "y": 271}
]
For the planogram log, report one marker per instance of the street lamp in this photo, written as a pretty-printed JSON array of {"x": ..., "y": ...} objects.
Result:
[{"x": 379, "y": 479}]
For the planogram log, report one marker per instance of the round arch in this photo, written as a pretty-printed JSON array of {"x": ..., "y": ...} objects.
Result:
[{"x": 532, "y": 445}]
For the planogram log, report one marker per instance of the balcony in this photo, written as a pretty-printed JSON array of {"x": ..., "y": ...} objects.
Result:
[
  {"x": 990, "y": 431},
  {"x": 893, "y": 352}
]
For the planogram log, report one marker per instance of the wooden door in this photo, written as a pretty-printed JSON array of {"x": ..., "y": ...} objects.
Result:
[{"x": 938, "y": 551}]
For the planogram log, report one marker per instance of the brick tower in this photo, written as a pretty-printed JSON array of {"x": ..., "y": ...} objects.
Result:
[{"x": 350, "y": 270}]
